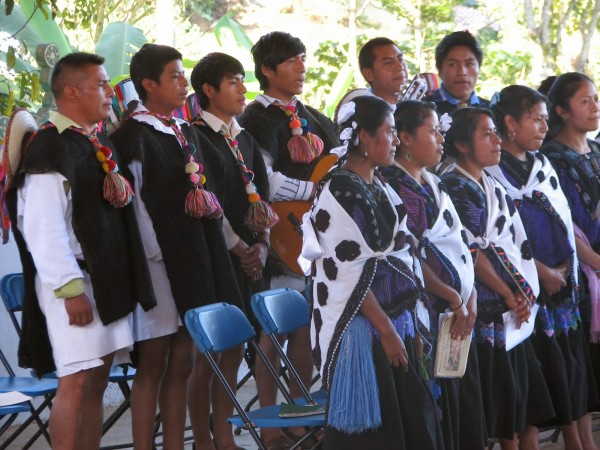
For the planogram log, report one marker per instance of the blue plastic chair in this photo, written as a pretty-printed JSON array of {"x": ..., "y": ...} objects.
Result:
[
  {"x": 283, "y": 311},
  {"x": 10, "y": 412},
  {"x": 221, "y": 326},
  {"x": 32, "y": 387},
  {"x": 12, "y": 290}
]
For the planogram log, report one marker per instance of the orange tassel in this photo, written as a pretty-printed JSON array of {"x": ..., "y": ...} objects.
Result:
[
  {"x": 260, "y": 217},
  {"x": 201, "y": 203},
  {"x": 304, "y": 149},
  {"x": 117, "y": 190}
]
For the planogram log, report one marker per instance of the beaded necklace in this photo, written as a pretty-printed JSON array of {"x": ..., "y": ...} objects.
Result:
[
  {"x": 260, "y": 216},
  {"x": 304, "y": 146},
  {"x": 200, "y": 202},
  {"x": 116, "y": 189}
]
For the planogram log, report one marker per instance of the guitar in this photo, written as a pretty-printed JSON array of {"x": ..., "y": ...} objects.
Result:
[{"x": 286, "y": 235}]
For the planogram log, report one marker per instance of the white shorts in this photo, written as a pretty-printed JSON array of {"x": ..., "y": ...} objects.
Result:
[
  {"x": 163, "y": 319},
  {"x": 77, "y": 348}
]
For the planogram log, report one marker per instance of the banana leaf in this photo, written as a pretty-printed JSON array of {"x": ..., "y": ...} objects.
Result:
[
  {"x": 45, "y": 26},
  {"x": 14, "y": 22},
  {"x": 234, "y": 41},
  {"x": 118, "y": 42},
  {"x": 20, "y": 65},
  {"x": 229, "y": 33},
  {"x": 338, "y": 89}
]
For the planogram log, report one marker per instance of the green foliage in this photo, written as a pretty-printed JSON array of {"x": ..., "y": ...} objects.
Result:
[
  {"x": 118, "y": 43},
  {"x": 234, "y": 41},
  {"x": 503, "y": 68},
  {"x": 43, "y": 24},
  {"x": 20, "y": 88},
  {"x": 327, "y": 64},
  {"x": 91, "y": 16},
  {"x": 229, "y": 32},
  {"x": 204, "y": 8}
]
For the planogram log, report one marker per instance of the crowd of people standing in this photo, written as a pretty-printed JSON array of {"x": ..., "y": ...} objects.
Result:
[{"x": 449, "y": 203}]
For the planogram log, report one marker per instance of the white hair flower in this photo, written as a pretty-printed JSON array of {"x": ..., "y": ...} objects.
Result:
[
  {"x": 346, "y": 111},
  {"x": 445, "y": 123},
  {"x": 346, "y": 134}
]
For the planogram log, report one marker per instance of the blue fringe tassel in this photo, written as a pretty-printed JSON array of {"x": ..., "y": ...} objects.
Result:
[{"x": 356, "y": 406}]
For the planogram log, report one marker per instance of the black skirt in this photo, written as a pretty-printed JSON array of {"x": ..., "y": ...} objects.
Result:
[
  {"x": 409, "y": 419},
  {"x": 461, "y": 405},
  {"x": 515, "y": 394},
  {"x": 565, "y": 365}
]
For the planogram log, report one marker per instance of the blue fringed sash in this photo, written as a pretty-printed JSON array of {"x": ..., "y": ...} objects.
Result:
[{"x": 355, "y": 407}]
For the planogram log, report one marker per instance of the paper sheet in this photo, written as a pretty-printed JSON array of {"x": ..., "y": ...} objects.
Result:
[{"x": 515, "y": 336}]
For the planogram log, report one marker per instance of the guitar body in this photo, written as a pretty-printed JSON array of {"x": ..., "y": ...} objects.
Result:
[{"x": 286, "y": 235}]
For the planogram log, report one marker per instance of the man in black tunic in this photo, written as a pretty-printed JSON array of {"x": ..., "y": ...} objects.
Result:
[
  {"x": 291, "y": 136},
  {"x": 82, "y": 256}
]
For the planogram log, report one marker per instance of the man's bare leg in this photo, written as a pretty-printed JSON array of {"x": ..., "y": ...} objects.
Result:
[
  {"x": 265, "y": 384},
  {"x": 222, "y": 405},
  {"x": 173, "y": 390},
  {"x": 300, "y": 355},
  {"x": 199, "y": 394},
  {"x": 93, "y": 406},
  {"x": 151, "y": 367},
  {"x": 72, "y": 397}
]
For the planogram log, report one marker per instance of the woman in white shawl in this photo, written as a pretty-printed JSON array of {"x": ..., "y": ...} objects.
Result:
[
  {"x": 446, "y": 262},
  {"x": 514, "y": 392},
  {"x": 366, "y": 288},
  {"x": 533, "y": 185}
]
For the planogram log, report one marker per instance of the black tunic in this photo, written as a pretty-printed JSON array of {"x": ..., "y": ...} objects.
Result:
[
  {"x": 109, "y": 240},
  {"x": 236, "y": 199},
  {"x": 193, "y": 250},
  {"x": 270, "y": 127}
]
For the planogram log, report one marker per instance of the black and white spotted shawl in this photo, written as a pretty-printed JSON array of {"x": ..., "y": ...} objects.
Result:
[{"x": 345, "y": 267}]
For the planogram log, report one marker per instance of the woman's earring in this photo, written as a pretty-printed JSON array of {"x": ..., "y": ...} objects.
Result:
[
  {"x": 511, "y": 135},
  {"x": 366, "y": 150},
  {"x": 408, "y": 155}
]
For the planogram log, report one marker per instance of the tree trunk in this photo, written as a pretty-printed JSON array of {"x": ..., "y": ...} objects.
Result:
[
  {"x": 587, "y": 34},
  {"x": 352, "y": 49}
]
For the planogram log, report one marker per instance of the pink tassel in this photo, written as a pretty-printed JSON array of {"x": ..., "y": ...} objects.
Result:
[
  {"x": 304, "y": 149},
  {"x": 117, "y": 190},
  {"x": 260, "y": 217},
  {"x": 201, "y": 203}
]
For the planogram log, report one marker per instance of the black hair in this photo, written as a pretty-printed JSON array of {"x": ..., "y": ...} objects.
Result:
[
  {"x": 516, "y": 101},
  {"x": 463, "y": 127},
  {"x": 149, "y": 62},
  {"x": 271, "y": 50},
  {"x": 66, "y": 65},
  {"x": 369, "y": 114},
  {"x": 411, "y": 114},
  {"x": 366, "y": 55},
  {"x": 546, "y": 84},
  {"x": 457, "y": 39},
  {"x": 212, "y": 69},
  {"x": 561, "y": 92}
]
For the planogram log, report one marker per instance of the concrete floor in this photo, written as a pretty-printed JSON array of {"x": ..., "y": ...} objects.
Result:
[{"x": 121, "y": 431}]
